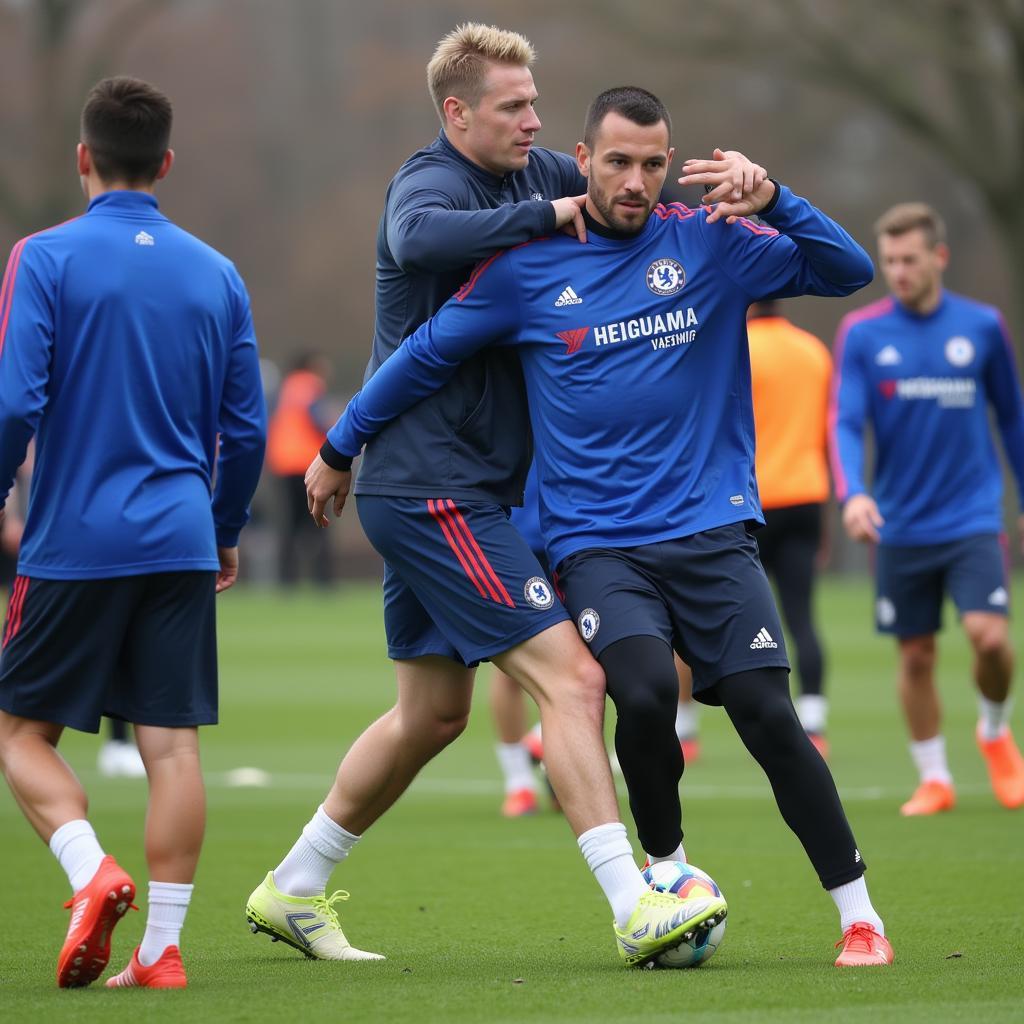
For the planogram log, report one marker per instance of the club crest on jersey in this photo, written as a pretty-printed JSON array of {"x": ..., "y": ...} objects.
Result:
[
  {"x": 666, "y": 277},
  {"x": 538, "y": 593},
  {"x": 589, "y": 623},
  {"x": 960, "y": 350}
]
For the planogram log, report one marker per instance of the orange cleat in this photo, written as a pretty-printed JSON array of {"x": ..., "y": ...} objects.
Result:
[
  {"x": 534, "y": 746},
  {"x": 691, "y": 749},
  {"x": 1005, "y": 768},
  {"x": 930, "y": 798},
  {"x": 95, "y": 909},
  {"x": 519, "y": 803},
  {"x": 820, "y": 744},
  {"x": 167, "y": 972},
  {"x": 862, "y": 947}
]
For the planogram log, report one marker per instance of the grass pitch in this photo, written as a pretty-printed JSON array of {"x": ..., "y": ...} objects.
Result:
[{"x": 490, "y": 920}]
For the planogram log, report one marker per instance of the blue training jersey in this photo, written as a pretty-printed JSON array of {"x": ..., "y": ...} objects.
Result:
[
  {"x": 925, "y": 384},
  {"x": 126, "y": 348},
  {"x": 634, "y": 352}
]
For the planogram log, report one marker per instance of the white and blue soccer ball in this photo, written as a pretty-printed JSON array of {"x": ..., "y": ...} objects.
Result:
[{"x": 685, "y": 881}]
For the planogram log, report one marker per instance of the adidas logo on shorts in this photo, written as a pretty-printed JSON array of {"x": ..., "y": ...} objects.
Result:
[{"x": 762, "y": 640}]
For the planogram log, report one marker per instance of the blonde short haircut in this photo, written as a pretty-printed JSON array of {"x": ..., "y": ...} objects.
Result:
[
  {"x": 461, "y": 61},
  {"x": 906, "y": 217}
]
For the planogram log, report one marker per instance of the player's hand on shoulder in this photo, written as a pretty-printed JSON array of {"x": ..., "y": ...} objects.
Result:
[
  {"x": 735, "y": 185},
  {"x": 228, "y": 572},
  {"x": 861, "y": 518},
  {"x": 569, "y": 215},
  {"x": 324, "y": 485}
]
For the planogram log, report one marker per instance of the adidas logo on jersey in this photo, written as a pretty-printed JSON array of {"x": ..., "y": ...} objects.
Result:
[
  {"x": 568, "y": 298},
  {"x": 144, "y": 238},
  {"x": 762, "y": 640},
  {"x": 888, "y": 357}
]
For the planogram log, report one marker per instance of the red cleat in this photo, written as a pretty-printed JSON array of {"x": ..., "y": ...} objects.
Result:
[
  {"x": 95, "y": 909},
  {"x": 930, "y": 798},
  {"x": 519, "y": 803},
  {"x": 167, "y": 972},
  {"x": 1005, "y": 768},
  {"x": 691, "y": 749},
  {"x": 534, "y": 745},
  {"x": 820, "y": 744},
  {"x": 862, "y": 947}
]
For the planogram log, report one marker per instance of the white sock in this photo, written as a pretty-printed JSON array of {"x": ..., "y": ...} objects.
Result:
[
  {"x": 930, "y": 758},
  {"x": 993, "y": 717},
  {"x": 812, "y": 710},
  {"x": 855, "y": 905},
  {"x": 168, "y": 904},
  {"x": 78, "y": 850},
  {"x": 536, "y": 731},
  {"x": 610, "y": 857},
  {"x": 516, "y": 766},
  {"x": 686, "y": 720},
  {"x": 677, "y": 854},
  {"x": 309, "y": 863}
]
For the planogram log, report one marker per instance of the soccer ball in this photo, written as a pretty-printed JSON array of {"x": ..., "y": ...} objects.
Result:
[{"x": 685, "y": 881}]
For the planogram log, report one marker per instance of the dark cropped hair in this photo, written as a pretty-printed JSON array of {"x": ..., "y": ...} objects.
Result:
[
  {"x": 126, "y": 123},
  {"x": 635, "y": 104}
]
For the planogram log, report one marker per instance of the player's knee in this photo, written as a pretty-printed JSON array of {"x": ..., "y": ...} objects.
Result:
[
  {"x": 917, "y": 656},
  {"x": 583, "y": 686},
  {"x": 989, "y": 639},
  {"x": 645, "y": 701}
]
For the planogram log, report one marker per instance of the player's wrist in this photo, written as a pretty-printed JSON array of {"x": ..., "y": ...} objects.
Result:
[{"x": 334, "y": 458}]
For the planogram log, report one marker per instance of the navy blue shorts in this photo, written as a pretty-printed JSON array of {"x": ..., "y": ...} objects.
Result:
[
  {"x": 141, "y": 648},
  {"x": 459, "y": 580},
  {"x": 911, "y": 582},
  {"x": 705, "y": 595}
]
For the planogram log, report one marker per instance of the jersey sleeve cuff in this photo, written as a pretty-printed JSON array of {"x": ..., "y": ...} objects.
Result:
[
  {"x": 334, "y": 458},
  {"x": 773, "y": 202},
  {"x": 227, "y": 538}
]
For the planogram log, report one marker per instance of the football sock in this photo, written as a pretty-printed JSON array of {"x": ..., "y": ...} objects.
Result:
[
  {"x": 677, "y": 854},
  {"x": 930, "y": 758},
  {"x": 78, "y": 850},
  {"x": 812, "y": 710},
  {"x": 610, "y": 857},
  {"x": 168, "y": 904},
  {"x": 536, "y": 731},
  {"x": 855, "y": 905},
  {"x": 309, "y": 863},
  {"x": 516, "y": 766},
  {"x": 686, "y": 720},
  {"x": 993, "y": 717}
]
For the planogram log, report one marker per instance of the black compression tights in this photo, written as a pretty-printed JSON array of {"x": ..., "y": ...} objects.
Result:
[{"x": 642, "y": 684}]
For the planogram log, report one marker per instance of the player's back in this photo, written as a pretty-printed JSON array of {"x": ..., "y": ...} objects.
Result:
[
  {"x": 145, "y": 317},
  {"x": 790, "y": 371}
]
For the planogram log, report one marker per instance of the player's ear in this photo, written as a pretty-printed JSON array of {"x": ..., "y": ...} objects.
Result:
[
  {"x": 942, "y": 255},
  {"x": 165, "y": 165},
  {"x": 455, "y": 113},
  {"x": 83, "y": 160},
  {"x": 583, "y": 159}
]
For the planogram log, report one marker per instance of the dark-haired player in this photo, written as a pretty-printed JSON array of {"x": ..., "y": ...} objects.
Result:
[{"x": 126, "y": 350}]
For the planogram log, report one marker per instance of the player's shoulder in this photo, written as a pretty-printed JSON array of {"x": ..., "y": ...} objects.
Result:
[
  {"x": 858, "y": 322},
  {"x": 47, "y": 242},
  {"x": 669, "y": 216},
  {"x": 968, "y": 308}
]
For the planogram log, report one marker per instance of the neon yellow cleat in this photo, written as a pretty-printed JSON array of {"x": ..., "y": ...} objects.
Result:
[
  {"x": 307, "y": 923},
  {"x": 661, "y": 921}
]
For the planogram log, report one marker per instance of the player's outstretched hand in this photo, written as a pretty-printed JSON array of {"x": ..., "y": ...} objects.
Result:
[
  {"x": 569, "y": 216},
  {"x": 228, "y": 572},
  {"x": 324, "y": 484},
  {"x": 861, "y": 518},
  {"x": 735, "y": 184}
]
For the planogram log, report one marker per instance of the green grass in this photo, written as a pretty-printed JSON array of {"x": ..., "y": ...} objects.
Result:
[{"x": 488, "y": 920}]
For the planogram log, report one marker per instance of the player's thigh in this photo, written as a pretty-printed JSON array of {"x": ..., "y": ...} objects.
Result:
[
  {"x": 409, "y": 630},
  {"x": 721, "y": 604},
  {"x": 61, "y": 643},
  {"x": 909, "y": 589},
  {"x": 977, "y": 575},
  {"x": 469, "y": 569},
  {"x": 168, "y": 668},
  {"x": 611, "y": 598},
  {"x": 433, "y": 689}
]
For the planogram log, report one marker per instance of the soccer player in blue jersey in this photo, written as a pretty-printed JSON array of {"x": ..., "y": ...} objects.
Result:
[
  {"x": 641, "y": 409},
  {"x": 924, "y": 368},
  {"x": 127, "y": 350},
  {"x": 461, "y": 585}
]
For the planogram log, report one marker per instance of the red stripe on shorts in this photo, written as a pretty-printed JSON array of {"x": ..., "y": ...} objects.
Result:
[
  {"x": 14, "y": 608},
  {"x": 481, "y": 572},
  {"x": 483, "y": 558},
  {"x": 436, "y": 511}
]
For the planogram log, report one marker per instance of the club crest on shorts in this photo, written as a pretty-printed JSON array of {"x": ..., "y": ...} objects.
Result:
[
  {"x": 885, "y": 611},
  {"x": 666, "y": 276},
  {"x": 538, "y": 593},
  {"x": 588, "y": 623}
]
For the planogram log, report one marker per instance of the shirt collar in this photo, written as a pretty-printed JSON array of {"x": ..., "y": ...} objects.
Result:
[
  {"x": 494, "y": 180},
  {"x": 123, "y": 199}
]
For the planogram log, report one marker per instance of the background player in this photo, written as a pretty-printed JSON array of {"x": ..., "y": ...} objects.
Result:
[
  {"x": 922, "y": 368},
  {"x": 460, "y": 584},
  {"x": 126, "y": 349},
  {"x": 656, "y": 554},
  {"x": 790, "y": 373}
]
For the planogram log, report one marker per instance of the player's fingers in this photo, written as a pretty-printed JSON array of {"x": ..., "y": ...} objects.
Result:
[
  {"x": 579, "y": 225},
  {"x": 317, "y": 511},
  {"x": 339, "y": 504}
]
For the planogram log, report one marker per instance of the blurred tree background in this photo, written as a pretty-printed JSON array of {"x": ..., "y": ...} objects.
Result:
[{"x": 291, "y": 118}]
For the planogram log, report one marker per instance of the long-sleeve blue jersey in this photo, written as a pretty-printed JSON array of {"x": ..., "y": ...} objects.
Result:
[
  {"x": 126, "y": 348},
  {"x": 442, "y": 215},
  {"x": 635, "y": 358},
  {"x": 925, "y": 384}
]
